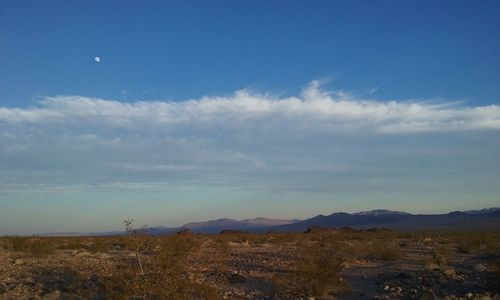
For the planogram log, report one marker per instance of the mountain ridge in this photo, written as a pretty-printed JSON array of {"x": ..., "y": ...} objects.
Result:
[{"x": 482, "y": 219}]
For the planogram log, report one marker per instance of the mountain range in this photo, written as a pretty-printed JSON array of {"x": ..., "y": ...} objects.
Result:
[
  {"x": 397, "y": 220},
  {"x": 484, "y": 219},
  {"x": 469, "y": 220}
]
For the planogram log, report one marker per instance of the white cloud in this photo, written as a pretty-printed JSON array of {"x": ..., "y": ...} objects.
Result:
[
  {"x": 314, "y": 109},
  {"x": 319, "y": 140}
]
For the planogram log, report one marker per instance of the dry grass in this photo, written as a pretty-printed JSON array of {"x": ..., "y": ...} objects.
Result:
[{"x": 198, "y": 266}]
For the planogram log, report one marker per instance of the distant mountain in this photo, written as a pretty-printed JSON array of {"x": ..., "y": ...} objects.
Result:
[
  {"x": 268, "y": 222},
  {"x": 483, "y": 211},
  {"x": 339, "y": 219},
  {"x": 215, "y": 226},
  {"x": 380, "y": 212},
  {"x": 218, "y": 225},
  {"x": 472, "y": 220},
  {"x": 253, "y": 225},
  {"x": 484, "y": 219}
]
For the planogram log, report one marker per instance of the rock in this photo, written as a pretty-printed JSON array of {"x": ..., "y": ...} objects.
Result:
[
  {"x": 480, "y": 267},
  {"x": 82, "y": 254},
  {"x": 468, "y": 295},
  {"x": 448, "y": 271},
  {"x": 19, "y": 261}
]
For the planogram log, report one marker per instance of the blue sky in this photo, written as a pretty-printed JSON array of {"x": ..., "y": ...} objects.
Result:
[{"x": 199, "y": 110}]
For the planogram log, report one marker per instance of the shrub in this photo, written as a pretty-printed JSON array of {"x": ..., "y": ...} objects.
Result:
[
  {"x": 158, "y": 270},
  {"x": 16, "y": 243},
  {"x": 465, "y": 246},
  {"x": 42, "y": 248},
  {"x": 482, "y": 242},
  {"x": 316, "y": 273},
  {"x": 99, "y": 245},
  {"x": 441, "y": 254},
  {"x": 219, "y": 251},
  {"x": 404, "y": 244},
  {"x": 77, "y": 245},
  {"x": 384, "y": 250},
  {"x": 30, "y": 246}
]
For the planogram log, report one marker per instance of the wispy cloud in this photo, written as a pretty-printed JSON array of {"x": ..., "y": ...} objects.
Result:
[{"x": 373, "y": 90}]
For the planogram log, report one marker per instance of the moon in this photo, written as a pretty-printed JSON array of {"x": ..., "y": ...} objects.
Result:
[{"x": 97, "y": 59}]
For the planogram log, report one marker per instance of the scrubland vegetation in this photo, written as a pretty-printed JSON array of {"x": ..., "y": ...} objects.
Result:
[{"x": 323, "y": 265}]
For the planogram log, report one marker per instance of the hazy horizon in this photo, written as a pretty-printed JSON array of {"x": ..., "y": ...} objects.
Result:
[{"x": 174, "y": 112}]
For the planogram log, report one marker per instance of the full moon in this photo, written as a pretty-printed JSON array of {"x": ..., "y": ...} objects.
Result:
[{"x": 97, "y": 59}]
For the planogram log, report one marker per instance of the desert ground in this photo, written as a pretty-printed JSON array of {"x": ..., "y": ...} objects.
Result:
[{"x": 320, "y": 264}]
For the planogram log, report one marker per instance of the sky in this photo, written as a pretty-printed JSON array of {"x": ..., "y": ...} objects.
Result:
[{"x": 196, "y": 110}]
